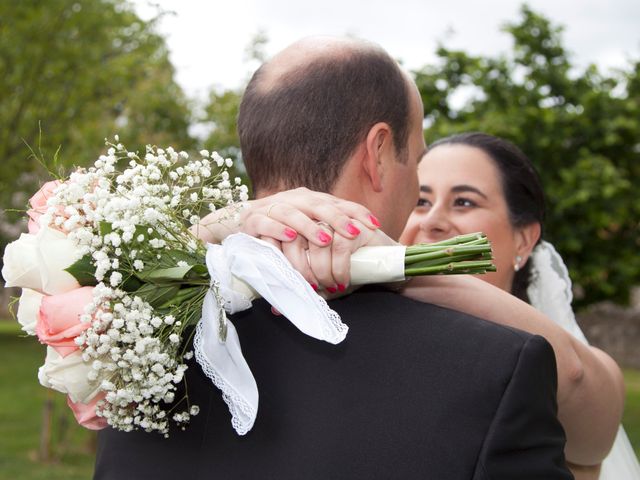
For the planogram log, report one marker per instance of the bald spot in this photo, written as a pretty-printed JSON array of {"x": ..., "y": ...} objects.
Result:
[{"x": 303, "y": 53}]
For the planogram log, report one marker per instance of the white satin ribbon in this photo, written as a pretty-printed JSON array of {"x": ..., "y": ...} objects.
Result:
[
  {"x": 378, "y": 264},
  {"x": 241, "y": 269}
]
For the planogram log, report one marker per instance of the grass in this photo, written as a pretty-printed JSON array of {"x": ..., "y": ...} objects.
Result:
[
  {"x": 22, "y": 402},
  {"x": 631, "y": 418}
]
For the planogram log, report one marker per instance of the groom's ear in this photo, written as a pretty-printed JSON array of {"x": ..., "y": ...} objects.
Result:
[{"x": 378, "y": 146}]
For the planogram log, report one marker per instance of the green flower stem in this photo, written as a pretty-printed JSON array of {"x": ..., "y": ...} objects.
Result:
[
  {"x": 464, "y": 254},
  {"x": 458, "y": 240},
  {"x": 448, "y": 251},
  {"x": 467, "y": 267}
]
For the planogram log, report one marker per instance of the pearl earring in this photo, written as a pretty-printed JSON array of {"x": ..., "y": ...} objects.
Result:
[{"x": 516, "y": 266}]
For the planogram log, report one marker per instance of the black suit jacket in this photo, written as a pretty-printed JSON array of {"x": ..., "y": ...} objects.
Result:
[{"x": 415, "y": 391}]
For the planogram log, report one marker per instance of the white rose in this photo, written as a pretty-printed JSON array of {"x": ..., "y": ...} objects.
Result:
[
  {"x": 68, "y": 375},
  {"x": 20, "y": 263},
  {"x": 38, "y": 262},
  {"x": 28, "y": 310}
]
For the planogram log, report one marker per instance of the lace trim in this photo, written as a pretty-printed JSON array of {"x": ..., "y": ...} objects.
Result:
[
  {"x": 550, "y": 288},
  {"x": 238, "y": 407},
  {"x": 266, "y": 269},
  {"x": 333, "y": 329}
]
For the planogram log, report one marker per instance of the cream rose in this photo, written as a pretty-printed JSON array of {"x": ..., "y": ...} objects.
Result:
[
  {"x": 38, "y": 262},
  {"x": 68, "y": 375},
  {"x": 28, "y": 307}
]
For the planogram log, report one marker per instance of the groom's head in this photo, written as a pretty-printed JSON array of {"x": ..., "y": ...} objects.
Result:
[{"x": 335, "y": 115}]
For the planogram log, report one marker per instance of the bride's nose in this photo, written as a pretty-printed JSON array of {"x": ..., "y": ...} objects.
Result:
[{"x": 436, "y": 224}]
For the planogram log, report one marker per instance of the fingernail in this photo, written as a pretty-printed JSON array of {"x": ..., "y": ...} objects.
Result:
[
  {"x": 374, "y": 220},
  {"x": 324, "y": 237},
  {"x": 292, "y": 234},
  {"x": 331, "y": 289},
  {"x": 341, "y": 287},
  {"x": 314, "y": 286},
  {"x": 352, "y": 229},
  {"x": 275, "y": 312}
]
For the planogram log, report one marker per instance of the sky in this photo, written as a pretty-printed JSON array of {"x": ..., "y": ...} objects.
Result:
[{"x": 208, "y": 38}]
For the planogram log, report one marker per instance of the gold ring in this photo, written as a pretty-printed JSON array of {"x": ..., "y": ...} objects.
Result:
[{"x": 269, "y": 209}]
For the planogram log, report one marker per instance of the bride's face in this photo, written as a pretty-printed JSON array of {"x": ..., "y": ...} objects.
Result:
[{"x": 461, "y": 192}]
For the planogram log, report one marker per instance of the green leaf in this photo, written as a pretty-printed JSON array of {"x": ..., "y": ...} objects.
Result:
[
  {"x": 198, "y": 271},
  {"x": 105, "y": 228},
  {"x": 170, "y": 274},
  {"x": 157, "y": 295},
  {"x": 131, "y": 283},
  {"x": 83, "y": 271}
]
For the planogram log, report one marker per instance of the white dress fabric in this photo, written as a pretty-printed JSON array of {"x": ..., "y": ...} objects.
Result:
[{"x": 550, "y": 292}]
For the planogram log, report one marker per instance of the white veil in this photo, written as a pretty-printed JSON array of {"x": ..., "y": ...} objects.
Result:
[{"x": 550, "y": 292}]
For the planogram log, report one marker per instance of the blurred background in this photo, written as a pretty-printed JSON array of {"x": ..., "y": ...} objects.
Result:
[{"x": 562, "y": 83}]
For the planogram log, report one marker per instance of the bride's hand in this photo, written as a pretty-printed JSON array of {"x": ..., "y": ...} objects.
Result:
[
  {"x": 286, "y": 216},
  {"x": 317, "y": 232},
  {"x": 329, "y": 266}
]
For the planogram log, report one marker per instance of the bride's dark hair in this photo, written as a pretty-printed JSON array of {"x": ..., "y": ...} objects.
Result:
[{"x": 521, "y": 186}]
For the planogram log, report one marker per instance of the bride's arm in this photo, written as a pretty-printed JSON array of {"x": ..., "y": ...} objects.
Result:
[
  {"x": 590, "y": 384},
  {"x": 288, "y": 216}
]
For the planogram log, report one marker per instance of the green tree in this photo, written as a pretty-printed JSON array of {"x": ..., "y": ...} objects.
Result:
[
  {"x": 581, "y": 130},
  {"x": 579, "y": 127},
  {"x": 80, "y": 71},
  {"x": 221, "y": 110}
]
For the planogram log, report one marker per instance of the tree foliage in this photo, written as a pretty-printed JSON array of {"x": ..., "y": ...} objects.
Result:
[
  {"x": 83, "y": 70},
  {"x": 580, "y": 128},
  {"x": 73, "y": 73}
]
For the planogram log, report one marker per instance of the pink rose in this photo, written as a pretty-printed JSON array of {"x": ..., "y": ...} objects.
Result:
[
  {"x": 39, "y": 204},
  {"x": 86, "y": 413},
  {"x": 59, "y": 322}
]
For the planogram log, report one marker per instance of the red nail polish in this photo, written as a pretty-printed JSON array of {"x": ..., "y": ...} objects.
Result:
[
  {"x": 314, "y": 286},
  {"x": 374, "y": 220},
  {"x": 341, "y": 287},
  {"x": 352, "y": 229},
  {"x": 331, "y": 290},
  {"x": 292, "y": 234},
  {"x": 324, "y": 237}
]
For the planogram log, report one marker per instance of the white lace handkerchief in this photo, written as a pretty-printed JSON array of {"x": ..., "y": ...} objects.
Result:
[{"x": 241, "y": 269}]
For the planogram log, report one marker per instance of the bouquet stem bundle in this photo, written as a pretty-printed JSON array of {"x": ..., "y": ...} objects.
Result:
[{"x": 470, "y": 254}]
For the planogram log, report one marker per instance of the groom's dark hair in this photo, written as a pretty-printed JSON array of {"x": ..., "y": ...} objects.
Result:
[{"x": 300, "y": 129}]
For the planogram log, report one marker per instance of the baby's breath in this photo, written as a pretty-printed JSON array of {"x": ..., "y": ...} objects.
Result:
[{"x": 129, "y": 214}]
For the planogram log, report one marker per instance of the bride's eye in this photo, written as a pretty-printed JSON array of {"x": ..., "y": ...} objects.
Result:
[
  {"x": 423, "y": 202},
  {"x": 464, "y": 202}
]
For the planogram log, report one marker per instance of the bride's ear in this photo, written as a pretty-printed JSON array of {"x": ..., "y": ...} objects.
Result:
[{"x": 526, "y": 239}]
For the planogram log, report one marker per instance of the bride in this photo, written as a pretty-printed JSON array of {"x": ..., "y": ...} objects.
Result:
[
  {"x": 505, "y": 200},
  {"x": 473, "y": 182}
]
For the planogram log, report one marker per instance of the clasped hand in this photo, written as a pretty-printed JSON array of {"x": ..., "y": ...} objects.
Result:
[{"x": 316, "y": 231}]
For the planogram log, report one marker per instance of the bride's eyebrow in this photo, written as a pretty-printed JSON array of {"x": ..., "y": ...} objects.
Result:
[{"x": 464, "y": 189}]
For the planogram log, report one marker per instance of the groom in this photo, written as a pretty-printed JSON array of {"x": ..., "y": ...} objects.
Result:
[{"x": 415, "y": 391}]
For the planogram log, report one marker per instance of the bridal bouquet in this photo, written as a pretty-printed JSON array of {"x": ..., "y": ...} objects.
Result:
[{"x": 115, "y": 284}]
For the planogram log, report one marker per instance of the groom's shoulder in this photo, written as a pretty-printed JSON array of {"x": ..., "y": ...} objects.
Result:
[
  {"x": 432, "y": 342},
  {"x": 381, "y": 309}
]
